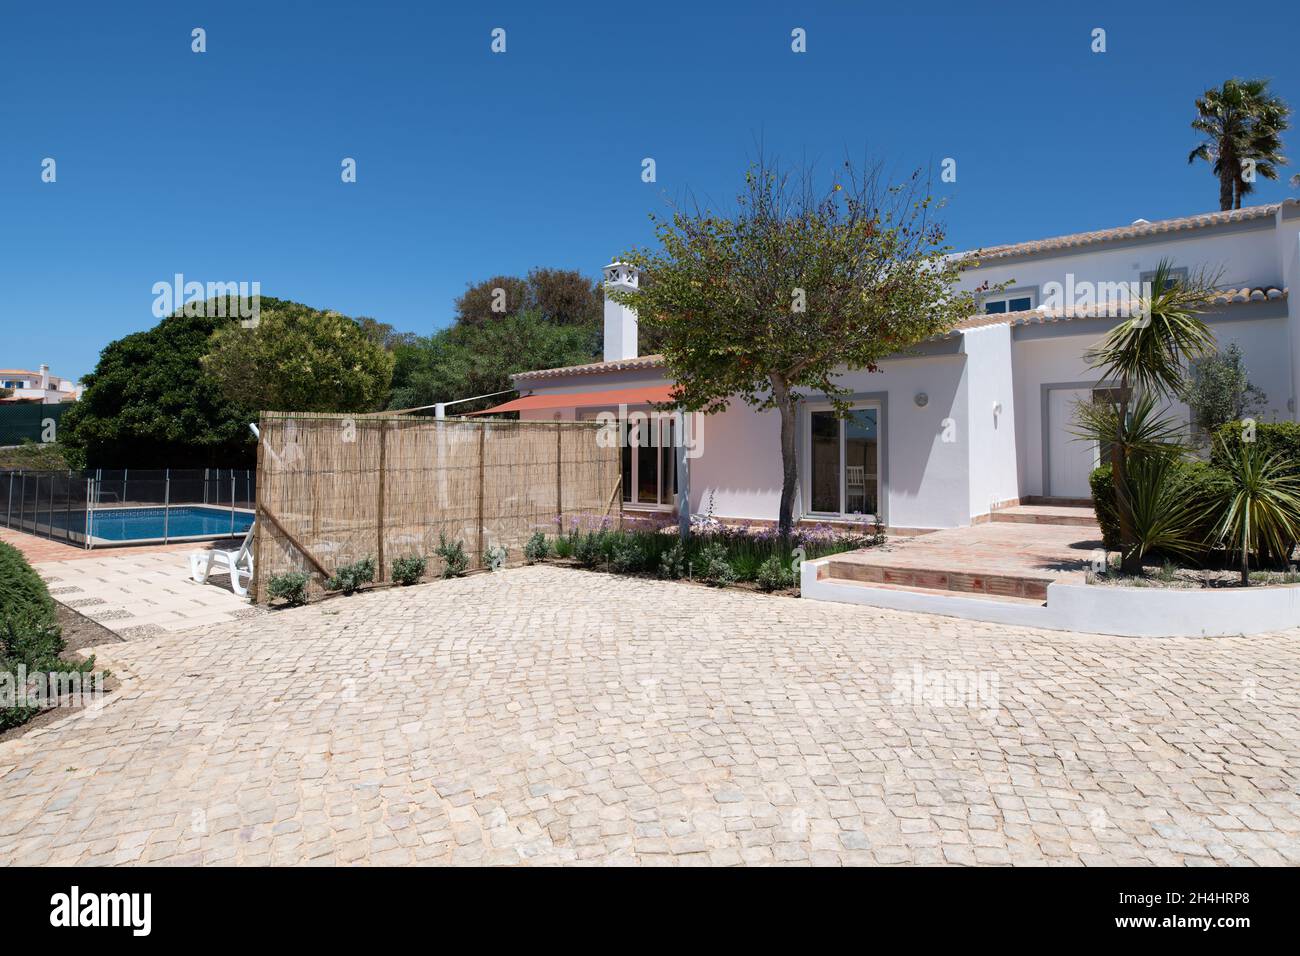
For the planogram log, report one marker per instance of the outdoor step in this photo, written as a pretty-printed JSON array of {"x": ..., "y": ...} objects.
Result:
[
  {"x": 1052, "y": 502},
  {"x": 943, "y": 592},
  {"x": 937, "y": 579},
  {"x": 1047, "y": 514}
]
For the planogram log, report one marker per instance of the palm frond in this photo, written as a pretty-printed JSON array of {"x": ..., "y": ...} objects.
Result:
[{"x": 1151, "y": 350}]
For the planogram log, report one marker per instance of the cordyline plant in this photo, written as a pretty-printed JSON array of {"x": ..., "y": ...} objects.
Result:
[
  {"x": 1145, "y": 358},
  {"x": 796, "y": 287}
]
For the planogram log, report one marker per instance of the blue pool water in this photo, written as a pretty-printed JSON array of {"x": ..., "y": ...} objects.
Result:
[{"x": 136, "y": 524}]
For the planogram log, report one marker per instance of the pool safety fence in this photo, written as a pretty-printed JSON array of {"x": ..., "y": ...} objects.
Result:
[{"x": 114, "y": 506}]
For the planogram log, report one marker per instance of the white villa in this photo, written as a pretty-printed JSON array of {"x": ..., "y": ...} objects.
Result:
[
  {"x": 38, "y": 387},
  {"x": 968, "y": 423}
]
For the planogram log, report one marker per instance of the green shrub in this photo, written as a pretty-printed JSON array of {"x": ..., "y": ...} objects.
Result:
[
  {"x": 673, "y": 562},
  {"x": 455, "y": 561},
  {"x": 30, "y": 636},
  {"x": 24, "y": 599},
  {"x": 409, "y": 570},
  {"x": 746, "y": 564},
  {"x": 774, "y": 574},
  {"x": 712, "y": 566},
  {"x": 589, "y": 550},
  {"x": 350, "y": 577},
  {"x": 1103, "y": 504},
  {"x": 537, "y": 548},
  {"x": 626, "y": 556},
  {"x": 290, "y": 587},
  {"x": 1272, "y": 439},
  {"x": 1193, "y": 484},
  {"x": 494, "y": 557},
  {"x": 564, "y": 546}
]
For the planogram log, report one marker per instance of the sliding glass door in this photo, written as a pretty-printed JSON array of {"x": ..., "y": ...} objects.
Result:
[
  {"x": 843, "y": 462},
  {"x": 649, "y": 463}
]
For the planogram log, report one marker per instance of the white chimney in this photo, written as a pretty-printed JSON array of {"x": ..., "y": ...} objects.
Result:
[
  {"x": 620, "y": 321},
  {"x": 45, "y": 378}
]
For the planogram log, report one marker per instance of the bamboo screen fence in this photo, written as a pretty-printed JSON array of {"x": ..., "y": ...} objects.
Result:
[{"x": 334, "y": 489}]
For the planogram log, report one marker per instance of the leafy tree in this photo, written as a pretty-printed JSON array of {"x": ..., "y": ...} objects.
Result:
[
  {"x": 481, "y": 302},
  {"x": 300, "y": 359},
  {"x": 383, "y": 334},
  {"x": 149, "y": 404},
  {"x": 1220, "y": 391},
  {"x": 1243, "y": 124},
  {"x": 6, "y": 392},
  {"x": 478, "y": 359},
  {"x": 566, "y": 297},
  {"x": 792, "y": 289},
  {"x": 561, "y": 296}
]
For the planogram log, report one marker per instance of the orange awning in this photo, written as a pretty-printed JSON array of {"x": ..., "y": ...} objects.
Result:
[{"x": 607, "y": 398}]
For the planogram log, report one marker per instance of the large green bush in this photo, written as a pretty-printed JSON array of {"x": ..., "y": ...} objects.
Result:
[
  {"x": 24, "y": 599},
  {"x": 1271, "y": 438},
  {"x": 29, "y": 631}
]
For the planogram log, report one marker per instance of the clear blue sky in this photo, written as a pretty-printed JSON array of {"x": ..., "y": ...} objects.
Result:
[{"x": 225, "y": 165}]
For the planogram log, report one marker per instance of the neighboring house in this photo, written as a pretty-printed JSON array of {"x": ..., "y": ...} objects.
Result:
[
  {"x": 966, "y": 423},
  {"x": 40, "y": 387}
]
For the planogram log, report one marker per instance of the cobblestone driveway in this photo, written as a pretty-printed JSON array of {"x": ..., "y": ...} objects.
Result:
[{"x": 547, "y": 715}]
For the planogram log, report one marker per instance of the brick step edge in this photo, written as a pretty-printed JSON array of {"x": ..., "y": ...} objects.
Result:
[
  {"x": 1004, "y": 585},
  {"x": 1074, "y": 521}
]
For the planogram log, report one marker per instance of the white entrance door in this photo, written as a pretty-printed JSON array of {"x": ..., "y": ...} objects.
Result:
[{"x": 1070, "y": 459}]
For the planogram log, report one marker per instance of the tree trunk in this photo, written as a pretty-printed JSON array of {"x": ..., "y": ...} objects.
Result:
[
  {"x": 1130, "y": 561},
  {"x": 1245, "y": 565},
  {"x": 789, "y": 464},
  {"x": 1227, "y": 186}
]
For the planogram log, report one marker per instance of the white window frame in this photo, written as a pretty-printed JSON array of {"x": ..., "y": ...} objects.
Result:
[{"x": 806, "y": 452}]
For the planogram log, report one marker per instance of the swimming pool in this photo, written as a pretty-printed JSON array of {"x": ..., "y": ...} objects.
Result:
[{"x": 186, "y": 522}]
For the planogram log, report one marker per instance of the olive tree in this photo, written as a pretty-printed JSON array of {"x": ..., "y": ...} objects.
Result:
[{"x": 800, "y": 283}]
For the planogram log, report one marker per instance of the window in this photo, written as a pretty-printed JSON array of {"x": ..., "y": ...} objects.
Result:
[
  {"x": 843, "y": 460},
  {"x": 1173, "y": 277},
  {"x": 1016, "y": 301}
]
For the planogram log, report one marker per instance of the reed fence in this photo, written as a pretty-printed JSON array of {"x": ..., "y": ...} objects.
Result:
[{"x": 335, "y": 489}]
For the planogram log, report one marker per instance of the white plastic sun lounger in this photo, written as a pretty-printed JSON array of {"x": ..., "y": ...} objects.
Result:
[{"x": 238, "y": 564}]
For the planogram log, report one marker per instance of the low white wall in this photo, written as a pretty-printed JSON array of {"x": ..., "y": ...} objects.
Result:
[
  {"x": 1090, "y": 609},
  {"x": 1173, "y": 612}
]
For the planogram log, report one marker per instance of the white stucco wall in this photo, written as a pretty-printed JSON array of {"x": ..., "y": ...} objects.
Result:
[{"x": 1246, "y": 255}]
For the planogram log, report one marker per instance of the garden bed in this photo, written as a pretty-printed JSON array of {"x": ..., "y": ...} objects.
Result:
[
  {"x": 753, "y": 557},
  {"x": 1173, "y": 576}
]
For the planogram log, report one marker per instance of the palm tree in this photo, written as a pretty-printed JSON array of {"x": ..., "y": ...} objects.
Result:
[
  {"x": 1146, "y": 356},
  {"x": 1241, "y": 121}
]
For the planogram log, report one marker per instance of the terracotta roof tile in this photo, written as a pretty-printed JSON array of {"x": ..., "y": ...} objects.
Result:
[
  {"x": 1134, "y": 231},
  {"x": 593, "y": 368}
]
